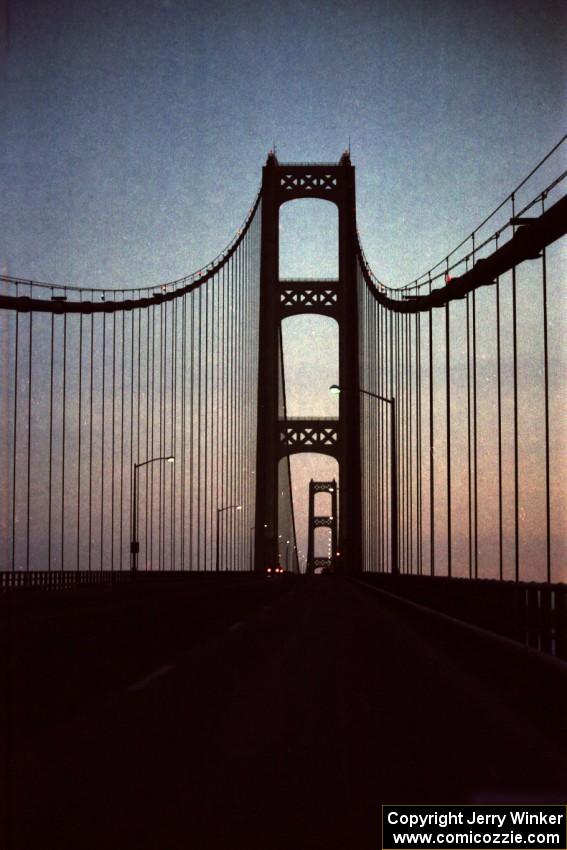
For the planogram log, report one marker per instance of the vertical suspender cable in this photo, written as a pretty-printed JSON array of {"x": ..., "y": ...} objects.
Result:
[
  {"x": 380, "y": 472},
  {"x": 138, "y": 399},
  {"x": 475, "y": 424},
  {"x": 236, "y": 473},
  {"x": 50, "y": 486},
  {"x": 515, "y": 373},
  {"x": 223, "y": 387},
  {"x": 193, "y": 565},
  {"x": 499, "y": 409},
  {"x": 389, "y": 392},
  {"x": 448, "y": 447},
  {"x": 63, "y": 436},
  {"x": 15, "y": 441},
  {"x": 183, "y": 423},
  {"x": 173, "y": 448},
  {"x": 409, "y": 384},
  {"x": 546, "y": 410},
  {"x": 404, "y": 457},
  {"x": 217, "y": 354},
  {"x": 247, "y": 461},
  {"x": 234, "y": 514},
  {"x": 364, "y": 430},
  {"x": 227, "y": 524},
  {"x": 91, "y": 380},
  {"x": 398, "y": 441},
  {"x": 400, "y": 435},
  {"x": 366, "y": 424},
  {"x": 122, "y": 401},
  {"x": 375, "y": 518},
  {"x": 431, "y": 448},
  {"x": 244, "y": 466},
  {"x": 169, "y": 470},
  {"x": 240, "y": 492},
  {"x": 150, "y": 468},
  {"x": 237, "y": 398},
  {"x": 133, "y": 521},
  {"x": 404, "y": 439},
  {"x": 28, "y": 512},
  {"x": 234, "y": 412},
  {"x": 167, "y": 447},
  {"x": 161, "y": 446},
  {"x": 79, "y": 432},
  {"x": 418, "y": 441},
  {"x": 469, "y": 456},
  {"x": 113, "y": 442},
  {"x": 148, "y": 315},
  {"x": 391, "y": 439},
  {"x": 410, "y": 441},
  {"x": 103, "y": 411},
  {"x": 208, "y": 518},
  {"x": 199, "y": 420},
  {"x": 401, "y": 442}
]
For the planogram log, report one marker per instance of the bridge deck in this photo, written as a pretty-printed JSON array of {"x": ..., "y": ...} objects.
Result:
[{"x": 252, "y": 713}]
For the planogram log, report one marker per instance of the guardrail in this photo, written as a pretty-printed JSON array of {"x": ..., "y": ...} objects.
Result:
[
  {"x": 44, "y": 580},
  {"x": 529, "y": 612},
  {"x": 68, "y": 580}
]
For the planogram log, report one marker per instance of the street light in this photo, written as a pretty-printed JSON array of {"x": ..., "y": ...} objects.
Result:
[
  {"x": 219, "y": 512},
  {"x": 335, "y": 390},
  {"x": 135, "y": 543}
]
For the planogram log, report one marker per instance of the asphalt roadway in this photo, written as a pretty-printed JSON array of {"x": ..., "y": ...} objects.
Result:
[{"x": 249, "y": 713}]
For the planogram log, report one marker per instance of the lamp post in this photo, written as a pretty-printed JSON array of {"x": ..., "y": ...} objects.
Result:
[
  {"x": 135, "y": 543},
  {"x": 219, "y": 512},
  {"x": 335, "y": 389}
]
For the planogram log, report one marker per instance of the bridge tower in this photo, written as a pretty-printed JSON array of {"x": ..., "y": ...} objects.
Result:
[
  {"x": 318, "y": 521},
  {"x": 278, "y": 437}
]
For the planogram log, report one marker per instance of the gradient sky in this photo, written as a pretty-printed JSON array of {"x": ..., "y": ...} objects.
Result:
[{"x": 134, "y": 132}]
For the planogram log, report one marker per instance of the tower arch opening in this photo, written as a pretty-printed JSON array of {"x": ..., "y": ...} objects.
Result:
[
  {"x": 311, "y": 365},
  {"x": 304, "y": 468},
  {"x": 323, "y": 543},
  {"x": 308, "y": 239},
  {"x": 323, "y": 504}
]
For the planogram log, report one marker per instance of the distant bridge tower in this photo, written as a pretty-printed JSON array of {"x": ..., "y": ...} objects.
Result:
[
  {"x": 277, "y": 438},
  {"x": 318, "y": 521}
]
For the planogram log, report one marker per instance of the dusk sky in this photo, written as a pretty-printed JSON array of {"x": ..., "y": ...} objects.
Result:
[{"x": 134, "y": 133}]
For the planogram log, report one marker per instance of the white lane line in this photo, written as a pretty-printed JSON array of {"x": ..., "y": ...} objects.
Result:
[
  {"x": 236, "y": 626},
  {"x": 137, "y": 686}
]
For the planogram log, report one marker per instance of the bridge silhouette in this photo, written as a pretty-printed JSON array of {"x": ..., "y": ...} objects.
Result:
[{"x": 196, "y": 680}]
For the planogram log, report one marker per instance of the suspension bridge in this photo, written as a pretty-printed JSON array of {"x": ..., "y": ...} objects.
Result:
[{"x": 174, "y": 664}]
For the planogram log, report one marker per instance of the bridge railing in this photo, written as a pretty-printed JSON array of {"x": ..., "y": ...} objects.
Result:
[
  {"x": 67, "y": 580},
  {"x": 532, "y": 613},
  {"x": 43, "y": 580}
]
